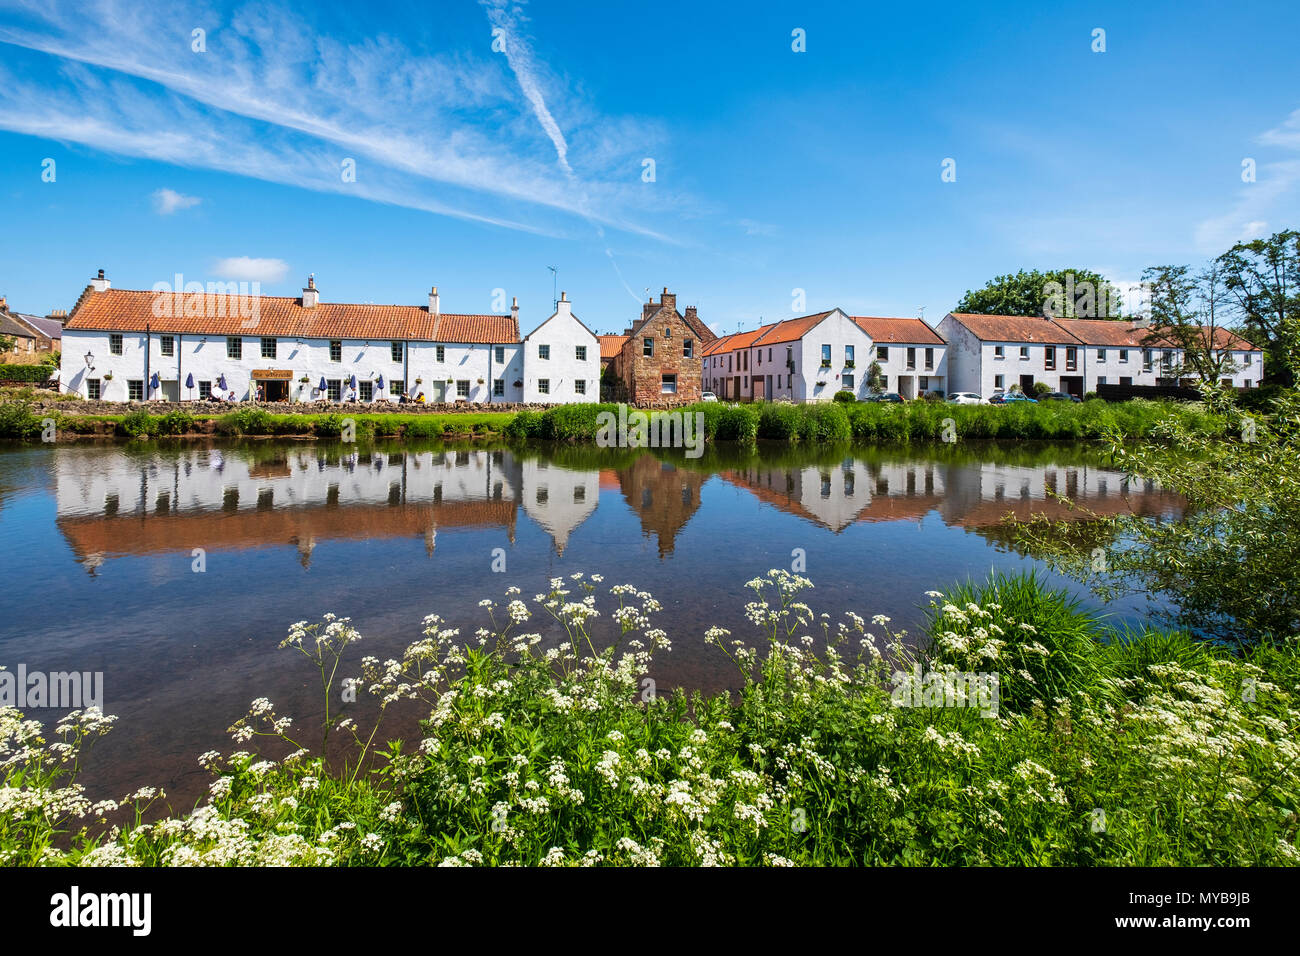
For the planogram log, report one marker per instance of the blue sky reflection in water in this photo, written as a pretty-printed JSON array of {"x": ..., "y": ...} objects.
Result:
[{"x": 106, "y": 537}]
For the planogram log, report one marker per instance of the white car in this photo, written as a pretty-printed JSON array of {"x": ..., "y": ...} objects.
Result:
[
  {"x": 966, "y": 398},
  {"x": 708, "y": 397}
]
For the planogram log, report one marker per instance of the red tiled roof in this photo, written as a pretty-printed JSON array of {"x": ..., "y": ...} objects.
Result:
[
  {"x": 901, "y": 331},
  {"x": 611, "y": 345},
  {"x": 791, "y": 330},
  {"x": 203, "y": 314},
  {"x": 1015, "y": 328},
  {"x": 1224, "y": 340},
  {"x": 1113, "y": 332}
]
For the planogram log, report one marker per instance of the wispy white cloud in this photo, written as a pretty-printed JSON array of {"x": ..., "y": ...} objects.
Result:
[
  {"x": 1262, "y": 206},
  {"x": 275, "y": 100},
  {"x": 250, "y": 269},
  {"x": 167, "y": 201}
]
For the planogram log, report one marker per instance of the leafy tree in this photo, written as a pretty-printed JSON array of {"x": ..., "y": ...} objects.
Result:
[
  {"x": 1186, "y": 308},
  {"x": 7, "y": 343},
  {"x": 875, "y": 377},
  {"x": 1064, "y": 293},
  {"x": 1230, "y": 565},
  {"x": 1262, "y": 278}
]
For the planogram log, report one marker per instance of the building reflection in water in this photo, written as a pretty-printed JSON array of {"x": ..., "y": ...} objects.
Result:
[{"x": 127, "y": 502}]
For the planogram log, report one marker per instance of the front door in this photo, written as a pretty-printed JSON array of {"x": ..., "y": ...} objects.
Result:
[
  {"x": 759, "y": 391},
  {"x": 274, "y": 390},
  {"x": 1027, "y": 384},
  {"x": 170, "y": 391},
  {"x": 437, "y": 392}
]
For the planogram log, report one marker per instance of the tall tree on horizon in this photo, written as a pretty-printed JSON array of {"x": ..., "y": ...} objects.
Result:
[
  {"x": 1064, "y": 293},
  {"x": 1262, "y": 278}
]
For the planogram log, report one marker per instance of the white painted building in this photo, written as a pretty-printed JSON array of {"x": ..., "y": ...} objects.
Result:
[
  {"x": 994, "y": 353},
  {"x": 913, "y": 359},
  {"x": 811, "y": 358},
  {"x": 807, "y": 359},
  {"x": 127, "y": 345},
  {"x": 561, "y": 359}
]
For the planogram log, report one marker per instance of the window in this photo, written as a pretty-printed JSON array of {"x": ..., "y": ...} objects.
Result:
[
  {"x": 688, "y": 348},
  {"x": 366, "y": 390},
  {"x": 826, "y": 356},
  {"x": 498, "y": 387},
  {"x": 1024, "y": 352},
  {"x": 1123, "y": 355},
  {"x": 333, "y": 389},
  {"x": 501, "y": 354},
  {"x": 395, "y": 350},
  {"x": 205, "y": 390},
  {"x": 744, "y": 360},
  {"x": 92, "y": 389},
  {"x": 543, "y": 386},
  {"x": 1049, "y": 357},
  {"x": 396, "y": 387},
  {"x": 846, "y": 381},
  {"x": 543, "y": 352},
  {"x": 115, "y": 343},
  {"x": 234, "y": 347},
  {"x": 336, "y": 350},
  {"x": 580, "y": 353},
  {"x": 884, "y": 383},
  {"x": 134, "y": 390},
  {"x": 758, "y": 357},
  {"x": 1101, "y": 355},
  {"x": 669, "y": 385},
  {"x": 999, "y": 351},
  {"x": 789, "y": 355},
  {"x": 440, "y": 353},
  {"x": 911, "y": 358},
  {"x": 929, "y": 358},
  {"x": 999, "y": 382},
  {"x": 1166, "y": 359},
  {"x": 580, "y": 387},
  {"x": 848, "y": 356},
  {"x": 647, "y": 347},
  {"x": 462, "y": 388},
  {"x": 1101, "y": 379},
  {"x": 268, "y": 348},
  {"x": 882, "y": 352},
  {"x": 668, "y": 331},
  {"x": 1146, "y": 360},
  {"x": 1071, "y": 359},
  {"x": 167, "y": 344},
  {"x": 923, "y": 382}
]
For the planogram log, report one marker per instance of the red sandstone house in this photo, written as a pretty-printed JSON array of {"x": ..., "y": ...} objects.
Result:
[{"x": 659, "y": 359}]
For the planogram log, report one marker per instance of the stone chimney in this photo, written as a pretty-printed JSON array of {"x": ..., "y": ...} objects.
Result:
[
  {"x": 310, "y": 296},
  {"x": 4, "y": 304},
  {"x": 668, "y": 300},
  {"x": 690, "y": 313},
  {"x": 564, "y": 306},
  {"x": 434, "y": 307},
  {"x": 514, "y": 308},
  {"x": 99, "y": 283},
  {"x": 627, "y": 331}
]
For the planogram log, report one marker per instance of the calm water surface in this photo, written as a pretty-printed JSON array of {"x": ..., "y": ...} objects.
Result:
[{"x": 99, "y": 544}]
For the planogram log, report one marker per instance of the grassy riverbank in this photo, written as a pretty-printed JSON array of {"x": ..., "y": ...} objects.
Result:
[
  {"x": 808, "y": 424},
  {"x": 1106, "y": 748}
]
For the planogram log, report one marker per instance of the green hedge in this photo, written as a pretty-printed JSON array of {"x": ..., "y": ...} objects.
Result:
[{"x": 26, "y": 373}]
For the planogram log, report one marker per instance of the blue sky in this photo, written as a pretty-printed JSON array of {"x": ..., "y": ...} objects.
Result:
[{"x": 775, "y": 170}]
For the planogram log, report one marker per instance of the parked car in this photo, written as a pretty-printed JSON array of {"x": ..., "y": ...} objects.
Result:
[
  {"x": 1010, "y": 398},
  {"x": 965, "y": 398},
  {"x": 1059, "y": 397},
  {"x": 708, "y": 397},
  {"x": 889, "y": 398}
]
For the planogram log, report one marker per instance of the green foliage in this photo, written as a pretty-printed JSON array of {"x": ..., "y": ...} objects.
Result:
[
  {"x": 844, "y": 396},
  {"x": 550, "y": 753},
  {"x": 248, "y": 420},
  {"x": 1028, "y": 293},
  {"x": 137, "y": 423},
  {"x": 1230, "y": 565},
  {"x": 1041, "y": 388},
  {"x": 17, "y": 421},
  {"x": 38, "y": 374},
  {"x": 175, "y": 422}
]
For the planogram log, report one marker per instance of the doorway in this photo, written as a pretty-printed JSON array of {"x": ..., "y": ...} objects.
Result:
[{"x": 274, "y": 390}]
